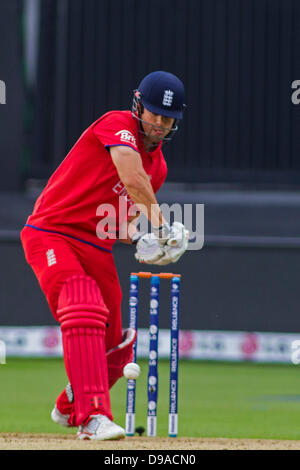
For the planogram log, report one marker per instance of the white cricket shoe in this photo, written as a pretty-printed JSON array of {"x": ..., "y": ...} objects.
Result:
[
  {"x": 59, "y": 418},
  {"x": 100, "y": 428}
]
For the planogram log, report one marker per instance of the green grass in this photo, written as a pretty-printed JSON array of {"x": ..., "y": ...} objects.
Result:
[{"x": 215, "y": 399}]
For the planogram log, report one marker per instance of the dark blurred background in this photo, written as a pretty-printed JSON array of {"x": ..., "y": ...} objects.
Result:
[{"x": 66, "y": 62}]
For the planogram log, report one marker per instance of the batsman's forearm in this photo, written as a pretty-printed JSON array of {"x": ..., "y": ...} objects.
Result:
[
  {"x": 131, "y": 229},
  {"x": 144, "y": 198}
]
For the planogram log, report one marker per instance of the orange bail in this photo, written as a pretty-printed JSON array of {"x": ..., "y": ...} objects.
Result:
[{"x": 147, "y": 275}]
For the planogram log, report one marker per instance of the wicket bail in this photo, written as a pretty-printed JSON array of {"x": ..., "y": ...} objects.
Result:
[{"x": 153, "y": 352}]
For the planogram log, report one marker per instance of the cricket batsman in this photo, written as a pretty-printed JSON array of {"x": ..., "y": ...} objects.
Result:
[{"x": 116, "y": 163}]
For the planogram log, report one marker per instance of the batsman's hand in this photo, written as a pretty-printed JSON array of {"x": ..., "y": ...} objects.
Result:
[
  {"x": 176, "y": 245},
  {"x": 148, "y": 249},
  {"x": 179, "y": 236}
]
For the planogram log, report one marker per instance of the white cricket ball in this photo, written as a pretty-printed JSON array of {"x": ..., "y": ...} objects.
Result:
[{"x": 131, "y": 371}]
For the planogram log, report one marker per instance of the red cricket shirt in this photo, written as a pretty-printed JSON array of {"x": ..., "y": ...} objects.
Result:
[{"x": 72, "y": 202}]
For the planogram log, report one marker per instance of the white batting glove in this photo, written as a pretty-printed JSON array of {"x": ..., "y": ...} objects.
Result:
[
  {"x": 176, "y": 245},
  {"x": 162, "y": 233},
  {"x": 148, "y": 249},
  {"x": 172, "y": 236}
]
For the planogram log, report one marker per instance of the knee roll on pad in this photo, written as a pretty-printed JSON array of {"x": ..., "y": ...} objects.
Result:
[
  {"x": 80, "y": 302},
  {"x": 83, "y": 316}
]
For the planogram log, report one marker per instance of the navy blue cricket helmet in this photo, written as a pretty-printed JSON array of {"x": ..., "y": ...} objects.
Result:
[{"x": 162, "y": 93}]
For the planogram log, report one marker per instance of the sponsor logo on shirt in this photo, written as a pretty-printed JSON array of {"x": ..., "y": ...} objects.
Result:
[{"x": 126, "y": 136}]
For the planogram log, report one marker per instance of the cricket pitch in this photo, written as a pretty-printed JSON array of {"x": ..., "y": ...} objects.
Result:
[{"x": 22, "y": 441}]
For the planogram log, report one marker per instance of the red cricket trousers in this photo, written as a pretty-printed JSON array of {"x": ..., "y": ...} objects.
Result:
[{"x": 54, "y": 258}]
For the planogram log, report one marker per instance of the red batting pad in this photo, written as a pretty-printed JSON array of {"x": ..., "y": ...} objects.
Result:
[{"x": 83, "y": 315}]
